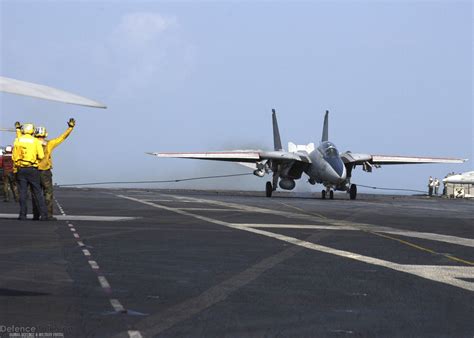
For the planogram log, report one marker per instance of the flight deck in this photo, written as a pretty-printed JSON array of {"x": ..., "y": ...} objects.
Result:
[{"x": 183, "y": 263}]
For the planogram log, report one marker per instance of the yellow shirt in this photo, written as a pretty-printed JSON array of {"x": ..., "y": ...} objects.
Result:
[
  {"x": 48, "y": 145},
  {"x": 27, "y": 151}
]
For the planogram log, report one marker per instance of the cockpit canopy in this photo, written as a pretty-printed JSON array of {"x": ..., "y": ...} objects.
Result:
[{"x": 329, "y": 150}]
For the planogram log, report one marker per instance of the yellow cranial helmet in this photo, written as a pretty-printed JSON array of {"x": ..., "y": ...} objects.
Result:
[
  {"x": 27, "y": 128},
  {"x": 41, "y": 132}
]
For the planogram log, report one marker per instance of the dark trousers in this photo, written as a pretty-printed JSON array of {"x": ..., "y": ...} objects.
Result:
[
  {"x": 9, "y": 186},
  {"x": 30, "y": 176},
  {"x": 46, "y": 181}
]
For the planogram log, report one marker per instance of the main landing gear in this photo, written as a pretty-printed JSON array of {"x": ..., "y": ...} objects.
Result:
[
  {"x": 330, "y": 192},
  {"x": 268, "y": 189},
  {"x": 353, "y": 192}
]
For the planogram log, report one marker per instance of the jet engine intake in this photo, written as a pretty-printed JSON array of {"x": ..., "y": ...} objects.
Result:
[{"x": 287, "y": 184}]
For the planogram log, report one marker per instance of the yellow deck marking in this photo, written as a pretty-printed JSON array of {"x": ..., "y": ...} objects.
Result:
[
  {"x": 415, "y": 246},
  {"x": 418, "y": 247}
]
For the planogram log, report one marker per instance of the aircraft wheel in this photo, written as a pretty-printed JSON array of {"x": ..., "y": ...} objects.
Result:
[
  {"x": 268, "y": 189},
  {"x": 353, "y": 192},
  {"x": 323, "y": 194},
  {"x": 331, "y": 194}
]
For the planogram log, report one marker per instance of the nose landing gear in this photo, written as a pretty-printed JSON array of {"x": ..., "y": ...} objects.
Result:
[{"x": 329, "y": 192}]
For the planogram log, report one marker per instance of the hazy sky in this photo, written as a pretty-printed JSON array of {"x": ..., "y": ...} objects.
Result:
[{"x": 193, "y": 76}]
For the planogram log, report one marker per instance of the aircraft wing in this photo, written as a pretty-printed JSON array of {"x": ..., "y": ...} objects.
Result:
[
  {"x": 43, "y": 92},
  {"x": 11, "y": 130},
  {"x": 247, "y": 156},
  {"x": 354, "y": 158}
]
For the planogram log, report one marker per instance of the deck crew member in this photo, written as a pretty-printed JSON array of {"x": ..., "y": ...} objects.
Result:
[
  {"x": 9, "y": 182},
  {"x": 430, "y": 186},
  {"x": 46, "y": 164},
  {"x": 27, "y": 152},
  {"x": 436, "y": 186}
]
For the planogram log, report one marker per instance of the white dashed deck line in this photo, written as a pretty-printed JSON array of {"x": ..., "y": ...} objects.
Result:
[
  {"x": 118, "y": 307},
  {"x": 134, "y": 334},
  {"x": 443, "y": 274},
  {"x": 103, "y": 282},
  {"x": 94, "y": 265}
]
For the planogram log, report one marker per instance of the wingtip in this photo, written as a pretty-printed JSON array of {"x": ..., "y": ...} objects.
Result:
[{"x": 98, "y": 105}]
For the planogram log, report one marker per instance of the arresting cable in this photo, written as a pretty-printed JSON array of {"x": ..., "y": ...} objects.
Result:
[
  {"x": 210, "y": 177},
  {"x": 395, "y": 189},
  {"x": 162, "y": 181}
]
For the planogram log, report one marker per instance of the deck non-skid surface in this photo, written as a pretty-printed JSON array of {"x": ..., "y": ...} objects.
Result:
[{"x": 146, "y": 263}]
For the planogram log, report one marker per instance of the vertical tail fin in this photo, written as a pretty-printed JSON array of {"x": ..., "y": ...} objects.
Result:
[
  {"x": 325, "y": 128},
  {"x": 276, "y": 132}
]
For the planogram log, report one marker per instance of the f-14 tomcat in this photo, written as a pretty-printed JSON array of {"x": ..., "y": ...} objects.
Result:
[{"x": 324, "y": 165}]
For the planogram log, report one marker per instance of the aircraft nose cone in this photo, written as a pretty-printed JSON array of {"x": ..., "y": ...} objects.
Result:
[{"x": 338, "y": 167}]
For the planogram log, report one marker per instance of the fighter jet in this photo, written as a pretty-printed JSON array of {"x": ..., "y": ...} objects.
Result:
[{"x": 323, "y": 164}]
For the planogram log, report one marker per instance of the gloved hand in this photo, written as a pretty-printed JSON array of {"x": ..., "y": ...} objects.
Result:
[
  {"x": 71, "y": 123},
  {"x": 17, "y": 125}
]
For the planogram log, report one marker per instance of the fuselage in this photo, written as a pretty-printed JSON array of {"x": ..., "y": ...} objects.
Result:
[{"x": 327, "y": 166}]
